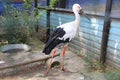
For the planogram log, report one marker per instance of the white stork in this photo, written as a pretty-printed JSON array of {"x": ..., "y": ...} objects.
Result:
[{"x": 62, "y": 35}]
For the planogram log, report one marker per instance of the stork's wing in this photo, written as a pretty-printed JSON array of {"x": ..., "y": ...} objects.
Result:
[{"x": 57, "y": 33}]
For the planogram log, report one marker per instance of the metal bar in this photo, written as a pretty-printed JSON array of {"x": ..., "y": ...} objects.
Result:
[
  {"x": 48, "y": 22},
  {"x": 36, "y": 5},
  {"x": 61, "y": 10},
  {"x": 66, "y": 11},
  {"x": 106, "y": 30},
  {"x": 56, "y": 9}
]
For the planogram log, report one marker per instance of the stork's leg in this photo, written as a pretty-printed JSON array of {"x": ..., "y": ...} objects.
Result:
[
  {"x": 63, "y": 57},
  {"x": 48, "y": 69}
]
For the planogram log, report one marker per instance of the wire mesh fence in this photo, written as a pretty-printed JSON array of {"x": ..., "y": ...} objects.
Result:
[
  {"x": 93, "y": 29},
  {"x": 115, "y": 8},
  {"x": 90, "y": 34}
]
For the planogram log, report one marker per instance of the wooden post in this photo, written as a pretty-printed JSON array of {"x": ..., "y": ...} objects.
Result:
[
  {"x": 106, "y": 30},
  {"x": 48, "y": 22}
]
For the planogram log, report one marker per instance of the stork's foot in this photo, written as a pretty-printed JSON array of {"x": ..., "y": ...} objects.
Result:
[
  {"x": 63, "y": 69},
  {"x": 46, "y": 73}
]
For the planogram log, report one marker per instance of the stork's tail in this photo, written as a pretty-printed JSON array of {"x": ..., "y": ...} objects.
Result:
[{"x": 51, "y": 44}]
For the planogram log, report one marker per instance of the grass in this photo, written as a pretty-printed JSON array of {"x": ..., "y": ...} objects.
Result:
[
  {"x": 36, "y": 44},
  {"x": 113, "y": 74}
]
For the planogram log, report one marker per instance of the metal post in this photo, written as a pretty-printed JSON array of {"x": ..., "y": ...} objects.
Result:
[
  {"x": 48, "y": 22},
  {"x": 36, "y": 13},
  {"x": 106, "y": 31},
  {"x": 36, "y": 5}
]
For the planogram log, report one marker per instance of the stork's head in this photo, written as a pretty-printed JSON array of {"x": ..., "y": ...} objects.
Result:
[{"x": 77, "y": 7}]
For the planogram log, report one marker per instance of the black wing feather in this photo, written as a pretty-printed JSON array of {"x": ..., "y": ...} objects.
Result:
[
  {"x": 53, "y": 40},
  {"x": 58, "y": 32}
]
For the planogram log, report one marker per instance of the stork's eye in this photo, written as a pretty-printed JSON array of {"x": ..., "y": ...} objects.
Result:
[{"x": 78, "y": 7}]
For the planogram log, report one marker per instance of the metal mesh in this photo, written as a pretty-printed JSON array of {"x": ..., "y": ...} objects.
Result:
[
  {"x": 115, "y": 9},
  {"x": 92, "y": 6},
  {"x": 42, "y": 2}
]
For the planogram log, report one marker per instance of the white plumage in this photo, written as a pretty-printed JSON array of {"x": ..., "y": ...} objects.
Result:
[{"x": 70, "y": 29}]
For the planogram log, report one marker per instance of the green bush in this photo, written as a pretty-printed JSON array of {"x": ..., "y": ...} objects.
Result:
[{"x": 18, "y": 25}]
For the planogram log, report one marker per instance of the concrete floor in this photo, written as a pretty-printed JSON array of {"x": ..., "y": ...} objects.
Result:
[{"x": 76, "y": 69}]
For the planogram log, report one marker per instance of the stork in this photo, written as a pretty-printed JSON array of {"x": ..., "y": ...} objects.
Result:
[{"x": 62, "y": 35}]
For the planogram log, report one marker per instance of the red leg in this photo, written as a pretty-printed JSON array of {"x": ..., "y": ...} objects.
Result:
[
  {"x": 53, "y": 53},
  {"x": 63, "y": 55}
]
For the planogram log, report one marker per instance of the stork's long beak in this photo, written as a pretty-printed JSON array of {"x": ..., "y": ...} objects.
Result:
[{"x": 82, "y": 13}]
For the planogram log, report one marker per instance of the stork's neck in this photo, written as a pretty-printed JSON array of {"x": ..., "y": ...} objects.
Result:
[
  {"x": 77, "y": 22},
  {"x": 77, "y": 18}
]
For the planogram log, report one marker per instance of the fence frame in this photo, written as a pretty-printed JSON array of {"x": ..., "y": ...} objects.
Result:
[
  {"x": 106, "y": 26},
  {"x": 106, "y": 31}
]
